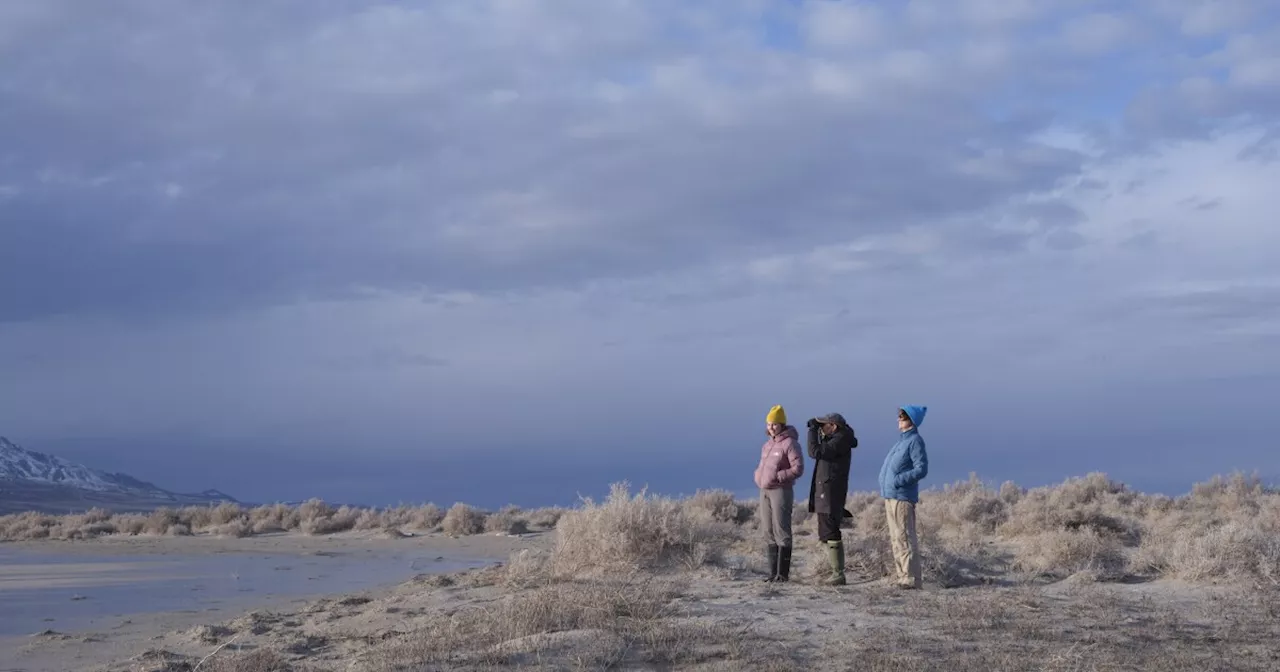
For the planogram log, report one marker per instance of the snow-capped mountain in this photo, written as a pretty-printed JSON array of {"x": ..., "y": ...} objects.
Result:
[
  {"x": 31, "y": 480},
  {"x": 18, "y": 463}
]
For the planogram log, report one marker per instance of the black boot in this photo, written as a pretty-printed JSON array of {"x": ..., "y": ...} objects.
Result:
[
  {"x": 772, "y": 552},
  {"x": 784, "y": 563}
]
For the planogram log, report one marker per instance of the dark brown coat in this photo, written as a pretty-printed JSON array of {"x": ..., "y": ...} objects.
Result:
[{"x": 832, "y": 454}]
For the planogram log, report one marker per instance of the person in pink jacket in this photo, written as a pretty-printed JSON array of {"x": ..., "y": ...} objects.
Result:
[{"x": 781, "y": 465}]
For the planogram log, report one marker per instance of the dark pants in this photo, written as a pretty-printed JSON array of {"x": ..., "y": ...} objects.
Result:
[{"x": 829, "y": 526}]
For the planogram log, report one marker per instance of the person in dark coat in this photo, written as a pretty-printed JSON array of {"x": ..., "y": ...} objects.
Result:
[{"x": 831, "y": 443}]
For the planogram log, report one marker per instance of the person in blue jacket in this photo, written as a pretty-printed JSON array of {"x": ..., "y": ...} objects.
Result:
[{"x": 904, "y": 467}]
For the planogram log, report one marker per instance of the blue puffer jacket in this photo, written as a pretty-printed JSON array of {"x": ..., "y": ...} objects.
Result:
[{"x": 907, "y": 462}]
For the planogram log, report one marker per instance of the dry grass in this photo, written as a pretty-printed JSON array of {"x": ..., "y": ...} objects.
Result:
[
  {"x": 576, "y": 624},
  {"x": 314, "y": 517},
  {"x": 546, "y": 518},
  {"x": 507, "y": 520},
  {"x": 1090, "y": 527},
  {"x": 1226, "y": 528},
  {"x": 638, "y": 532},
  {"x": 722, "y": 506},
  {"x": 474, "y": 634},
  {"x": 1089, "y": 628},
  {"x": 253, "y": 661},
  {"x": 463, "y": 520}
]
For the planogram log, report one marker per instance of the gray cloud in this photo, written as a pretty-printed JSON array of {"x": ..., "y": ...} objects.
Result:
[
  {"x": 302, "y": 226},
  {"x": 171, "y": 160}
]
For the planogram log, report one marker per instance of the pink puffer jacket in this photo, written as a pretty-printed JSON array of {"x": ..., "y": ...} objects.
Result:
[{"x": 780, "y": 460}]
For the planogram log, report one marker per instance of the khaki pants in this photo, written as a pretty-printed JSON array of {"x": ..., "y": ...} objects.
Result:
[
  {"x": 902, "y": 535},
  {"x": 775, "y": 515}
]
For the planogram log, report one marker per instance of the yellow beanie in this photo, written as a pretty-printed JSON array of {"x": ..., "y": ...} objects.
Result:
[{"x": 776, "y": 416}]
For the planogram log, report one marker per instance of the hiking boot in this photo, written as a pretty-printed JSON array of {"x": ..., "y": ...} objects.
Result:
[
  {"x": 835, "y": 553},
  {"x": 772, "y": 553},
  {"x": 784, "y": 563}
]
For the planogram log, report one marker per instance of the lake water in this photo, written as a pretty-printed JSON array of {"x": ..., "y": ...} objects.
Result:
[{"x": 74, "y": 592}]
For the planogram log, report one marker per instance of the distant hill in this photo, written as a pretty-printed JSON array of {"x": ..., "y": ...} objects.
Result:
[{"x": 31, "y": 481}]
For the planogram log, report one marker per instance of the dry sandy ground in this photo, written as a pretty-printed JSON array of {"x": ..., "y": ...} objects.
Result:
[
  {"x": 719, "y": 618},
  {"x": 108, "y": 562}
]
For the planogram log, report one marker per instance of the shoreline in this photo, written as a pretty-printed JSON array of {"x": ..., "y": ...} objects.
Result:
[
  {"x": 100, "y": 570},
  {"x": 275, "y": 542}
]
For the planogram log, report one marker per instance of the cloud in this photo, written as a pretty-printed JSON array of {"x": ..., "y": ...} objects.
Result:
[
  {"x": 1097, "y": 33},
  {"x": 264, "y": 165},
  {"x": 378, "y": 221},
  {"x": 843, "y": 25}
]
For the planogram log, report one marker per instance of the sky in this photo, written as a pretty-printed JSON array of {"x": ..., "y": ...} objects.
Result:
[{"x": 511, "y": 251}]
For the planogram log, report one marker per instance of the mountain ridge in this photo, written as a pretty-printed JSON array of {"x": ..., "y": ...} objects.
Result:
[{"x": 34, "y": 481}]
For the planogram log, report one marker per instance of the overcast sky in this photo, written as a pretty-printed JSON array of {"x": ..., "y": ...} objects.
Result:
[{"x": 497, "y": 250}]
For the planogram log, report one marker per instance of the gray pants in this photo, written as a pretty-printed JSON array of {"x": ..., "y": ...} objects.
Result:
[{"x": 775, "y": 515}]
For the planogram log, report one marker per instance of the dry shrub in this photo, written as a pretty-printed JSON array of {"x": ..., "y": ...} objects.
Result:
[
  {"x": 546, "y": 518},
  {"x": 179, "y": 530},
  {"x": 131, "y": 524},
  {"x": 643, "y": 531},
  {"x": 958, "y": 557},
  {"x": 316, "y": 517},
  {"x": 34, "y": 526},
  {"x": 312, "y": 510},
  {"x": 196, "y": 517},
  {"x": 971, "y": 503},
  {"x": 373, "y": 519},
  {"x": 528, "y": 567},
  {"x": 225, "y": 519},
  {"x": 266, "y": 526},
  {"x": 274, "y": 518},
  {"x": 463, "y": 520},
  {"x": 89, "y": 531},
  {"x": 868, "y": 512},
  {"x": 94, "y": 516},
  {"x": 161, "y": 521},
  {"x": 27, "y": 526},
  {"x": 237, "y": 529},
  {"x": 1011, "y": 493},
  {"x": 1235, "y": 494},
  {"x": 1093, "y": 502},
  {"x": 426, "y": 517},
  {"x": 227, "y": 512},
  {"x": 799, "y": 515},
  {"x": 722, "y": 506},
  {"x": 508, "y": 520},
  {"x": 319, "y": 518},
  {"x": 1233, "y": 550},
  {"x": 1062, "y": 553}
]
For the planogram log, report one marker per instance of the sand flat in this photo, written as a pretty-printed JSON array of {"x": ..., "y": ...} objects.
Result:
[{"x": 99, "y": 602}]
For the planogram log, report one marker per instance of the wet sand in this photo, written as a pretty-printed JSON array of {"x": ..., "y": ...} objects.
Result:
[{"x": 86, "y": 604}]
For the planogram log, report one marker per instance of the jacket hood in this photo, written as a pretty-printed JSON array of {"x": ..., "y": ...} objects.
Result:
[{"x": 916, "y": 413}]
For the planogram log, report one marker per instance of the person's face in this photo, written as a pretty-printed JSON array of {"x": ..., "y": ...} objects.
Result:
[
  {"x": 829, "y": 428},
  {"x": 772, "y": 428},
  {"x": 904, "y": 423}
]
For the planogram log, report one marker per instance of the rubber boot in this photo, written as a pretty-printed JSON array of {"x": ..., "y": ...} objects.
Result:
[
  {"x": 835, "y": 552},
  {"x": 772, "y": 552},
  {"x": 784, "y": 563}
]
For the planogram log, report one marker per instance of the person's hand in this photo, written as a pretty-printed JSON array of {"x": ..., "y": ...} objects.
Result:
[{"x": 814, "y": 424}]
